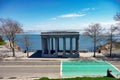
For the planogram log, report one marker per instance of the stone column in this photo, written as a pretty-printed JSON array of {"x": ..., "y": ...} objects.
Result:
[
  {"x": 77, "y": 45},
  {"x": 52, "y": 43},
  {"x": 42, "y": 43},
  {"x": 45, "y": 45},
  {"x": 56, "y": 45},
  {"x": 48, "y": 40},
  {"x": 64, "y": 45},
  {"x": 70, "y": 45}
]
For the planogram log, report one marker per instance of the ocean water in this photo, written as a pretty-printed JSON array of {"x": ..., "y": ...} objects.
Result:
[{"x": 85, "y": 42}]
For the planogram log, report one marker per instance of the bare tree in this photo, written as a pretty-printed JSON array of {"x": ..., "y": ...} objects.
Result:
[
  {"x": 117, "y": 17},
  {"x": 111, "y": 37},
  {"x": 9, "y": 28},
  {"x": 26, "y": 43},
  {"x": 94, "y": 31}
]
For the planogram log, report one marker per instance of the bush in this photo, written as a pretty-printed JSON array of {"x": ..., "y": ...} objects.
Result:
[
  {"x": 44, "y": 78},
  {"x": 2, "y": 42},
  {"x": 82, "y": 78}
]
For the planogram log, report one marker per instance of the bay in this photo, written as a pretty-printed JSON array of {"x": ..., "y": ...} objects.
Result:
[{"x": 85, "y": 42}]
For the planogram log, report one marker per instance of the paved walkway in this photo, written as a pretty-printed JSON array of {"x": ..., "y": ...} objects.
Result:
[
  {"x": 90, "y": 54},
  {"x": 26, "y": 70}
]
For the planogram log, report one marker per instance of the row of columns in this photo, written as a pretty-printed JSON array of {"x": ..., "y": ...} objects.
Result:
[{"x": 47, "y": 47}]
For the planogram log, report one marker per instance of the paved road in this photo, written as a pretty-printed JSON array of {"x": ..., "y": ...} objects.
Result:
[
  {"x": 29, "y": 63},
  {"x": 29, "y": 69}
]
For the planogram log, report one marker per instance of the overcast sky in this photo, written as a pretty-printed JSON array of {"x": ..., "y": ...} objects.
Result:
[{"x": 59, "y": 14}]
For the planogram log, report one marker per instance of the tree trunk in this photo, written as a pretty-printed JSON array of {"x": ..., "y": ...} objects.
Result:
[
  {"x": 27, "y": 54},
  {"x": 13, "y": 50},
  {"x": 110, "y": 49},
  {"x": 27, "y": 51},
  {"x": 110, "y": 45},
  {"x": 94, "y": 45},
  {"x": 94, "y": 49},
  {"x": 12, "y": 47}
]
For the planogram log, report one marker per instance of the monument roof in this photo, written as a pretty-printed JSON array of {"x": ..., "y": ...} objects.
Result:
[{"x": 60, "y": 33}]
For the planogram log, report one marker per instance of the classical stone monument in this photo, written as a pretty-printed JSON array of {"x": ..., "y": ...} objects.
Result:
[{"x": 50, "y": 44}]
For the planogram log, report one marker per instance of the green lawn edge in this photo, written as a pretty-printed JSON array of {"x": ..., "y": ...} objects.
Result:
[
  {"x": 2, "y": 43},
  {"x": 81, "y": 78}
]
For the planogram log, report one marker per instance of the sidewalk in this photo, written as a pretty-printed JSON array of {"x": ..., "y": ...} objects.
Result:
[{"x": 90, "y": 54}]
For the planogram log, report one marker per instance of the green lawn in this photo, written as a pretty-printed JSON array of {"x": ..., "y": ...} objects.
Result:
[
  {"x": 81, "y": 78},
  {"x": 2, "y": 43}
]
